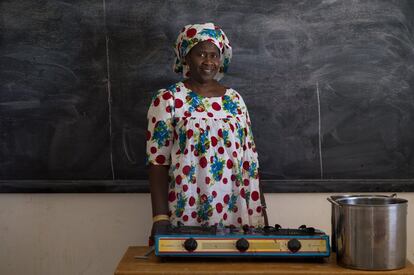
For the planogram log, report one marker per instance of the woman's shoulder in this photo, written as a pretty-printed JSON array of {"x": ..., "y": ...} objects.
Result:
[
  {"x": 168, "y": 92},
  {"x": 234, "y": 95}
]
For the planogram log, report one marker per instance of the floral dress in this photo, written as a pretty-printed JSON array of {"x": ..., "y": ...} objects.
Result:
[{"x": 208, "y": 144}]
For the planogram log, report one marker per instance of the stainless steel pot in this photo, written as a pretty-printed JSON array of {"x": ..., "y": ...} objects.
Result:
[
  {"x": 335, "y": 214},
  {"x": 371, "y": 232}
]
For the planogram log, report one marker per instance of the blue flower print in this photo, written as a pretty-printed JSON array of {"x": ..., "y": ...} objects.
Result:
[
  {"x": 204, "y": 208},
  {"x": 161, "y": 133},
  {"x": 212, "y": 33},
  {"x": 253, "y": 170},
  {"x": 182, "y": 137},
  {"x": 195, "y": 102},
  {"x": 229, "y": 105},
  {"x": 203, "y": 143},
  {"x": 217, "y": 168},
  {"x": 180, "y": 206}
]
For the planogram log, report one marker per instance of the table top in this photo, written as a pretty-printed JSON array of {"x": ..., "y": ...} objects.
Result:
[{"x": 129, "y": 265}]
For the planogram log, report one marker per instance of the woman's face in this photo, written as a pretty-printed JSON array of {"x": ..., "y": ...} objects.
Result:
[{"x": 203, "y": 61}]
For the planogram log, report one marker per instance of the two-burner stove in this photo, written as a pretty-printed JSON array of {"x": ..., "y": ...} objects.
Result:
[{"x": 232, "y": 241}]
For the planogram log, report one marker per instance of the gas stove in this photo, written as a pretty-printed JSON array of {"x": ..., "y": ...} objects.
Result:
[{"x": 269, "y": 241}]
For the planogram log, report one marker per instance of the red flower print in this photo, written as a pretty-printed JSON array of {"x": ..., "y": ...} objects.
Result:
[
  {"x": 255, "y": 195},
  {"x": 171, "y": 196},
  {"x": 167, "y": 95},
  {"x": 203, "y": 162},
  {"x": 243, "y": 193},
  {"x": 191, "y": 32},
  {"x": 214, "y": 141},
  {"x": 178, "y": 103},
  {"x": 216, "y": 106},
  {"x": 191, "y": 201},
  {"x": 186, "y": 169},
  {"x": 246, "y": 165},
  {"x": 160, "y": 159},
  {"x": 229, "y": 164},
  {"x": 219, "y": 207},
  {"x": 226, "y": 198}
]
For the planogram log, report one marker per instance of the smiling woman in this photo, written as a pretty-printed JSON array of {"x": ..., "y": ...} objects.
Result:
[
  {"x": 203, "y": 61},
  {"x": 203, "y": 164}
]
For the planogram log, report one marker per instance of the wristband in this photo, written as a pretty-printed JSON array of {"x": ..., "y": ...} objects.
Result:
[{"x": 158, "y": 218}]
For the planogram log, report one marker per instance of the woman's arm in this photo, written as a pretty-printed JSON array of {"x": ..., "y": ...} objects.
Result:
[
  {"x": 264, "y": 206},
  {"x": 158, "y": 179}
]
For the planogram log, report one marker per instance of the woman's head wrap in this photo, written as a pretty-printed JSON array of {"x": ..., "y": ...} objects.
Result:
[{"x": 190, "y": 35}]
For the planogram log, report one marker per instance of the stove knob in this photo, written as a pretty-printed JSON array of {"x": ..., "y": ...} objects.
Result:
[
  {"x": 294, "y": 245},
  {"x": 190, "y": 244},
  {"x": 242, "y": 244}
]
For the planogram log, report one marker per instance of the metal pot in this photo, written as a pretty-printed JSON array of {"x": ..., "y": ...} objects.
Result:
[
  {"x": 371, "y": 232},
  {"x": 335, "y": 214}
]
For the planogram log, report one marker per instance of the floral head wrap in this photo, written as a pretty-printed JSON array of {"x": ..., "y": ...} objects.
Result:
[{"x": 193, "y": 34}]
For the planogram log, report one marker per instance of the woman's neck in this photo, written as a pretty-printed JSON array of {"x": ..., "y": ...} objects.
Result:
[{"x": 210, "y": 88}]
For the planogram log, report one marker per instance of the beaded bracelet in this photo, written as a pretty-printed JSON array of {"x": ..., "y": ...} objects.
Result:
[{"x": 158, "y": 218}]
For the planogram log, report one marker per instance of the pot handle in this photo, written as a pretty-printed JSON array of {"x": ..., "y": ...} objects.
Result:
[
  {"x": 393, "y": 195},
  {"x": 333, "y": 202}
]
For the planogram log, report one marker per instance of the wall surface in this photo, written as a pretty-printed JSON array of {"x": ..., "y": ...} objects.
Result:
[{"x": 87, "y": 234}]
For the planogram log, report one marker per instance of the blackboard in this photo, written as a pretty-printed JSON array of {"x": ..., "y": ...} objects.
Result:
[{"x": 329, "y": 86}]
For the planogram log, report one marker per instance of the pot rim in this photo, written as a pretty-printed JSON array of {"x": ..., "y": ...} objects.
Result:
[{"x": 353, "y": 201}]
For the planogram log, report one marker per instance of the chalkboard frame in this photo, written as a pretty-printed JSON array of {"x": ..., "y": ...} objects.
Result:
[
  {"x": 269, "y": 186},
  {"x": 107, "y": 37}
]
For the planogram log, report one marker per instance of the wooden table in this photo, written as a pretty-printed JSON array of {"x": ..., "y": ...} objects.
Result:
[{"x": 154, "y": 265}]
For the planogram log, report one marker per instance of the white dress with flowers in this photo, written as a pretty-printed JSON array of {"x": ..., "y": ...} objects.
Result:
[{"x": 208, "y": 144}]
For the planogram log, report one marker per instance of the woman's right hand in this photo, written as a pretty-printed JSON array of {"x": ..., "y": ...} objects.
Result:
[{"x": 158, "y": 228}]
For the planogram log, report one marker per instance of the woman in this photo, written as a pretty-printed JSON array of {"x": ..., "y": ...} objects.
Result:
[{"x": 203, "y": 166}]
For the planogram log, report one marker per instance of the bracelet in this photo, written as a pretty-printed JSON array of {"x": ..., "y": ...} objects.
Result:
[{"x": 158, "y": 218}]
